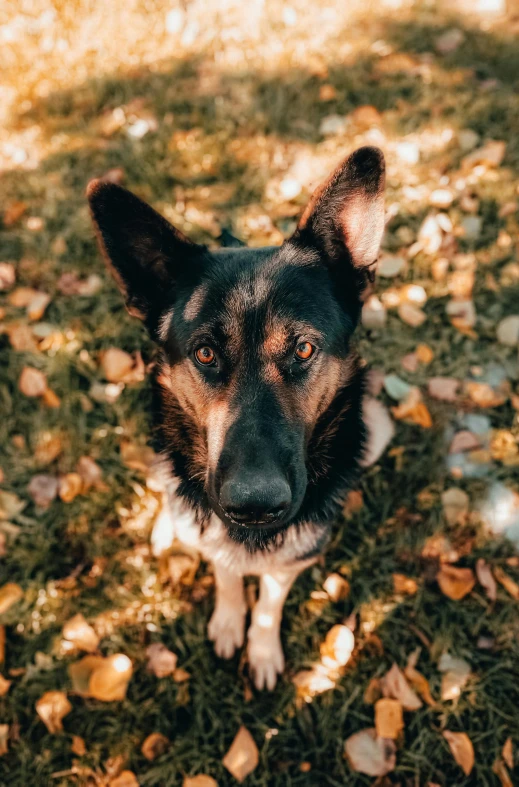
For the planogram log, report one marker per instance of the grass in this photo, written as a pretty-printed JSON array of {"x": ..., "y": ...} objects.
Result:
[{"x": 237, "y": 105}]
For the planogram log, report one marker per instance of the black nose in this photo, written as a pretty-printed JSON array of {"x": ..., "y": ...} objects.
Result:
[{"x": 253, "y": 500}]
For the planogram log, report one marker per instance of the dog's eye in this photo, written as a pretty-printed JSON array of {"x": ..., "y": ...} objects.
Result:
[
  {"x": 205, "y": 356},
  {"x": 304, "y": 351}
]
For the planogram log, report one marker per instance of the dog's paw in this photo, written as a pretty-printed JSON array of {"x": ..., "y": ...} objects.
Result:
[
  {"x": 226, "y": 629},
  {"x": 265, "y": 655}
]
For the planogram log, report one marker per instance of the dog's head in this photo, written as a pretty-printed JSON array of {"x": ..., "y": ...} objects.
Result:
[{"x": 255, "y": 341}]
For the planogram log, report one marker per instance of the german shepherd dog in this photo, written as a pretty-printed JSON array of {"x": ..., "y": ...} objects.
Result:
[{"x": 265, "y": 418}]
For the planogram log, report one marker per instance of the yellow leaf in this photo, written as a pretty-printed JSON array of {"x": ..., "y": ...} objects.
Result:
[
  {"x": 78, "y": 631},
  {"x": 337, "y": 647},
  {"x": 455, "y": 583},
  {"x": 462, "y": 749},
  {"x": 242, "y": 757},
  {"x": 389, "y": 718},
  {"x": 394, "y": 685},
  {"x": 9, "y": 595},
  {"x": 154, "y": 745},
  {"x": 51, "y": 708},
  {"x": 507, "y": 582},
  {"x": 367, "y": 753}
]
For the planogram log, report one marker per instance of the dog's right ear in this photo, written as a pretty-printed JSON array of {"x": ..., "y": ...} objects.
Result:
[{"x": 143, "y": 251}]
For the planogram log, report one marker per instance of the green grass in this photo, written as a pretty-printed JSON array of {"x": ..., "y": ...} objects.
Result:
[{"x": 250, "y": 125}]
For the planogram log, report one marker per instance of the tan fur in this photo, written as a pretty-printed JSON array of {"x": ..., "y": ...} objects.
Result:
[{"x": 195, "y": 303}]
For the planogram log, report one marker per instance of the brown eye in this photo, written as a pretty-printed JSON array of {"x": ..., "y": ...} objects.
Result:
[
  {"x": 205, "y": 356},
  {"x": 304, "y": 351}
]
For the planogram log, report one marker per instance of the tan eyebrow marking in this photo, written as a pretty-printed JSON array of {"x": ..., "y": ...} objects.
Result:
[{"x": 195, "y": 303}]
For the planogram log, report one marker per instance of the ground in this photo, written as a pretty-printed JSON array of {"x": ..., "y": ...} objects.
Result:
[{"x": 225, "y": 116}]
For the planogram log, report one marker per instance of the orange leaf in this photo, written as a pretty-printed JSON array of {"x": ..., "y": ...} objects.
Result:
[
  {"x": 462, "y": 749},
  {"x": 454, "y": 582},
  {"x": 369, "y": 754},
  {"x": 242, "y": 757},
  {"x": 154, "y": 745},
  {"x": 507, "y": 582},
  {"x": 389, "y": 718},
  {"x": 51, "y": 708}
]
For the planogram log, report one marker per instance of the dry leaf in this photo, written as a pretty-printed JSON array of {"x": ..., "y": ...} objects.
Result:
[
  {"x": 50, "y": 399},
  {"x": 389, "y": 718},
  {"x": 243, "y": 757},
  {"x": 456, "y": 673},
  {"x": 443, "y": 388},
  {"x": 32, "y": 382},
  {"x": 411, "y": 315},
  {"x": 48, "y": 447},
  {"x": 4, "y": 736},
  {"x": 373, "y": 691},
  {"x": 90, "y": 472},
  {"x": 462, "y": 749},
  {"x": 102, "y": 678},
  {"x": 9, "y": 595},
  {"x": 491, "y": 154},
  {"x": 420, "y": 683},
  {"x": 369, "y": 754},
  {"x": 337, "y": 647},
  {"x": 161, "y": 661},
  {"x": 4, "y": 685},
  {"x": 374, "y": 314},
  {"x": 499, "y": 768},
  {"x": 37, "y": 306},
  {"x": 507, "y": 753},
  {"x": 464, "y": 441},
  {"x": 21, "y": 337},
  {"x": 354, "y": 502},
  {"x": 337, "y": 587},
  {"x": 52, "y": 707},
  {"x": 483, "y": 395},
  {"x": 181, "y": 675},
  {"x": 395, "y": 685},
  {"x": 154, "y": 745},
  {"x": 78, "y": 746},
  {"x": 43, "y": 489},
  {"x": 413, "y": 410},
  {"x": 125, "y": 779},
  {"x": 137, "y": 457},
  {"x": 10, "y": 505},
  {"x": 7, "y": 275},
  {"x": 14, "y": 212},
  {"x": 313, "y": 681},
  {"x": 78, "y": 631},
  {"x": 404, "y": 585},
  {"x": 486, "y": 579},
  {"x": 511, "y": 587},
  {"x": 199, "y": 781},
  {"x": 390, "y": 265},
  {"x": 121, "y": 367},
  {"x": 508, "y": 331},
  {"x": 455, "y": 583},
  {"x": 70, "y": 486},
  {"x": 2, "y": 644},
  {"x": 455, "y": 503},
  {"x": 424, "y": 353}
]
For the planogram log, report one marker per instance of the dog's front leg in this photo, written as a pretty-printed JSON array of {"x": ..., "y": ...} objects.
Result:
[
  {"x": 265, "y": 653},
  {"x": 227, "y": 625}
]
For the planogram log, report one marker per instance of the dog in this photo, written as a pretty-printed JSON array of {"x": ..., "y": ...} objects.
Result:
[{"x": 265, "y": 417}]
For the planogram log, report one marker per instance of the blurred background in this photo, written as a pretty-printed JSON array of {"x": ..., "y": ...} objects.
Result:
[{"x": 225, "y": 115}]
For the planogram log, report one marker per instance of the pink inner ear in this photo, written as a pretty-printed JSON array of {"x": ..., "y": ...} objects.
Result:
[{"x": 362, "y": 222}]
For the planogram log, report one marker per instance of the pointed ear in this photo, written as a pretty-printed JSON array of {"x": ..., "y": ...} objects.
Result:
[
  {"x": 346, "y": 214},
  {"x": 143, "y": 251}
]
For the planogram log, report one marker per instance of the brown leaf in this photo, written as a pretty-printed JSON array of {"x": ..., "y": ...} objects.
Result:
[
  {"x": 32, "y": 382},
  {"x": 154, "y": 745},
  {"x": 2, "y": 644},
  {"x": 486, "y": 579},
  {"x": 102, "y": 678},
  {"x": 21, "y": 337},
  {"x": 125, "y": 779},
  {"x": 137, "y": 457},
  {"x": 78, "y": 746},
  {"x": 491, "y": 155},
  {"x": 337, "y": 587},
  {"x": 424, "y": 353},
  {"x": 464, "y": 441},
  {"x": 511, "y": 587},
  {"x": 395, "y": 685},
  {"x": 120, "y": 367},
  {"x": 413, "y": 410},
  {"x": 389, "y": 718},
  {"x": 51, "y": 708},
  {"x": 420, "y": 684},
  {"x": 443, "y": 388},
  {"x": 311, "y": 682},
  {"x": 161, "y": 661},
  {"x": 4, "y": 685},
  {"x": 411, "y": 315},
  {"x": 242, "y": 757},
  {"x": 10, "y": 505},
  {"x": 462, "y": 749},
  {"x": 37, "y": 306},
  {"x": 50, "y": 399},
  {"x": 507, "y": 753},
  {"x": 337, "y": 647},
  {"x": 9, "y": 595},
  {"x": 404, "y": 585},
  {"x": 70, "y": 486},
  {"x": 14, "y": 212},
  {"x": 78, "y": 631},
  {"x": 43, "y": 489},
  {"x": 499, "y": 768},
  {"x": 483, "y": 395},
  {"x": 369, "y": 754},
  {"x": 181, "y": 675},
  {"x": 4, "y": 737},
  {"x": 455, "y": 503},
  {"x": 48, "y": 447},
  {"x": 199, "y": 781},
  {"x": 455, "y": 583},
  {"x": 90, "y": 472},
  {"x": 7, "y": 275},
  {"x": 21, "y": 297}
]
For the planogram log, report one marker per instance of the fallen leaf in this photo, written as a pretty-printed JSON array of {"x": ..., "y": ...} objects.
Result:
[
  {"x": 181, "y": 675},
  {"x": 70, "y": 486},
  {"x": 14, "y": 212},
  {"x": 337, "y": 647},
  {"x": 491, "y": 155},
  {"x": 312, "y": 682},
  {"x": 37, "y": 306},
  {"x": 462, "y": 314},
  {"x": 48, "y": 447},
  {"x": 499, "y": 768},
  {"x": 4, "y": 737},
  {"x": 161, "y": 661},
  {"x": 389, "y": 718},
  {"x": 354, "y": 502},
  {"x": 410, "y": 362},
  {"x": 455, "y": 583},
  {"x": 464, "y": 441},
  {"x": 483, "y": 395},
  {"x": 449, "y": 41},
  {"x": 443, "y": 388},
  {"x": 373, "y": 692},
  {"x": 70, "y": 284},
  {"x": 21, "y": 337},
  {"x": 504, "y": 447},
  {"x": 369, "y": 754},
  {"x": 366, "y": 115},
  {"x": 404, "y": 585},
  {"x": 420, "y": 684},
  {"x": 243, "y": 757},
  {"x": 9, "y": 595},
  {"x": 413, "y": 410},
  {"x": 462, "y": 749},
  {"x": 390, "y": 265},
  {"x": 455, "y": 504},
  {"x": 50, "y": 399},
  {"x": 125, "y": 779},
  {"x": 137, "y": 457},
  {"x": 4, "y": 685},
  {"x": 201, "y": 780},
  {"x": 411, "y": 315},
  {"x": 120, "y": 367},
  {"x": 102, "y": 678},
  {"x": 424, "y": 353},
  {"x": 394, "y": 685},
  {"x": 337, "y": 587},
  {"x": 52, "y": 707},
  {"x": 32, "y": 382},
  {"x": 511, "y": 587},
  {"x": 508, "y": 331},
  {"x": 507, "y": 753},
  {"x": 7, "y": 275},
  {"x": 78, "y": 746},
  {"x": 90, "y": 472},
  {"x": 81, "y": 633},
  {"x": 486, "y": 578},
  {"x": 456, "y": 672},
  {"x": 81, "y": 671},
  {"x": 154, "y": 745},
  {"x": 21, "y": 297},
  {"x": 43, "y": 489},
  {"x": 10, "y": 505},
  {"x": 374, "y": 314}
]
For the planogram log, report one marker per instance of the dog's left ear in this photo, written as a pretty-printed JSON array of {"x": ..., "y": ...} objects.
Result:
[{"x": 346, "y": 214}]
